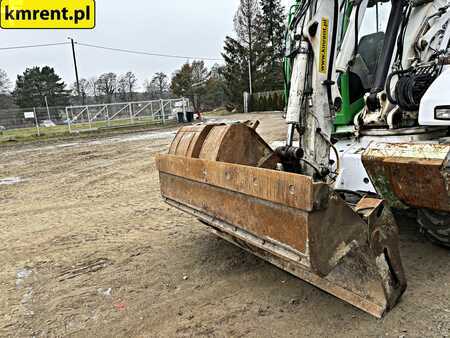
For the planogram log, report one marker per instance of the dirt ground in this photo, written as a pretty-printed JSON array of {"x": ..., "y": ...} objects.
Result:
[{"x": 89, "y": 249}]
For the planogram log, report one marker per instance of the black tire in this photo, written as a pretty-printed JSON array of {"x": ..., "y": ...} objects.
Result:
[{"x": 435, "y": 225}]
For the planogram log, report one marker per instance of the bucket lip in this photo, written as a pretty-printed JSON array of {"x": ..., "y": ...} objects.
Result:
[
  {"x": 291, "y": 262},
  {"x": 407, "y": 151}
]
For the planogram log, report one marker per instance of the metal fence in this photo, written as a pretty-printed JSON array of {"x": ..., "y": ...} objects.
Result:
[{"x": 75, "y": 119}]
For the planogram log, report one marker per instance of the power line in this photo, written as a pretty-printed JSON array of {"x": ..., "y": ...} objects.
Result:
[
  {"x": 35, "y": 46},
  {"x": 148, "y": 53},
  {"x": 122, "y": 50}
]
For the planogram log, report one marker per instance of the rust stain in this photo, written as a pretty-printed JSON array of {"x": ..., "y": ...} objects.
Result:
[
  {"x": 267, "y": 220},
  {"x": 189, "y": 140},
  {"x": 236, "y": 143},
  {"x": 411, "y": 173},
  {"x": 293, "y": 190}
]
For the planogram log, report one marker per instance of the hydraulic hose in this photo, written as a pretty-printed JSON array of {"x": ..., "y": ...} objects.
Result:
[{"x": 355, "y": 52}]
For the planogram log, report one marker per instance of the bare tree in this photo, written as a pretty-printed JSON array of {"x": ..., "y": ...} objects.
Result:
[
  {"x": 160, "y": 83},
  {"x": 6, "y": 100},
  {"x": 85, "y": 88},
  {"x": 93, "y": 87},
  {"x": 150, "y": 90},
  {"x": 131, "y": 81},
  {"x": 126, "y": 86},
  {"x": 246, "y": 27},
  {"x": 107, "y": 85},
  {"x": 122, "y": 88},
  {"x": 5, "y": 84}
]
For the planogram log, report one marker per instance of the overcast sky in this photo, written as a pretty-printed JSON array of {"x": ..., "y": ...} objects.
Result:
[
  {"x": 192, "y": 28},
  {"x": 180, "y": 27}
]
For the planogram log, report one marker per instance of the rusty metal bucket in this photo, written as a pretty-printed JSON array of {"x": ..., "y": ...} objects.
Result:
[
  {"x": 411, "y": 175},
  {"x": 224, "y": 175}
]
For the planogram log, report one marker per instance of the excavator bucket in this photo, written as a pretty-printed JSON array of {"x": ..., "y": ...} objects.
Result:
[
  {"x": 413, "y": 175},
  {"x": 226, "y": 177}
]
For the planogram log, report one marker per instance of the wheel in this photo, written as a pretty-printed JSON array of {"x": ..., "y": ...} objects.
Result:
[{"x": 435, "y": 225}]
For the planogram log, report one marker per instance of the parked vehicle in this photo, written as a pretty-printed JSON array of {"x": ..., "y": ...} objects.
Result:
[{"x": 48, "y": 124}]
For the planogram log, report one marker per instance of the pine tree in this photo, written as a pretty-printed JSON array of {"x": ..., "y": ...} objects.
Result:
[
  {"x": 235, "y": 71},
  {"x": 259, "y": 44},
  {"x": 241, "y": 53},
  {"x": 271, "y": 21},
  {"x": 215, "y": 89},
  {"x": 37, "y": 83},
  {"x": 189, "y": 82}
]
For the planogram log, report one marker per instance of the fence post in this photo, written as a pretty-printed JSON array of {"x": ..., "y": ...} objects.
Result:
[
  {"x": 69, "y": 122},
  {"x": 247, "y": 98},
  {"x": 162, "y": 112},
  {"x": 107, "y": 115},
  {"x": 37, "y": 122},
  {"x": 89, "y": 117},
  {"x": 130, "y": 107}
]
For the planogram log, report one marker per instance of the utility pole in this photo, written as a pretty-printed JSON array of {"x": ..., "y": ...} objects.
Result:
[
  {"x": 250, "y": 75},
  {"x": 75, "y": 65},
  {"x": 377, "y": 14},
  {"x": 48, "y": 110}
]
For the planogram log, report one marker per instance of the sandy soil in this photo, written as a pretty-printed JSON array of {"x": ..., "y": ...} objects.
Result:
[{"x": 88, "y": 249}]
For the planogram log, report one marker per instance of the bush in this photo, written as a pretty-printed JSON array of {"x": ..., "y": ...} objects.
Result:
[{"x": 267, "y": 101}]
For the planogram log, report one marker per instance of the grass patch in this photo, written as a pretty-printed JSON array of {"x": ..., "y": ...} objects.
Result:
[{"x": 25, "y": 135}]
